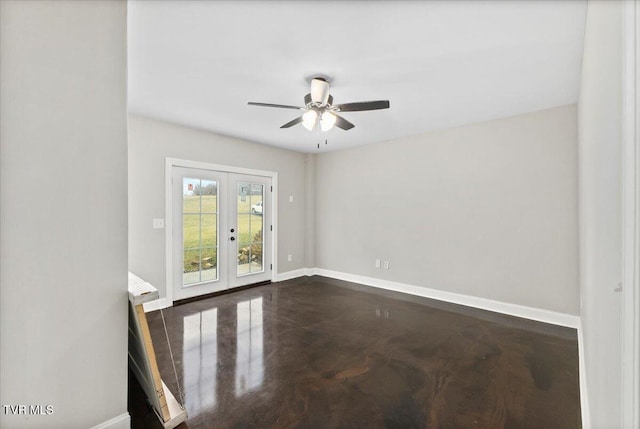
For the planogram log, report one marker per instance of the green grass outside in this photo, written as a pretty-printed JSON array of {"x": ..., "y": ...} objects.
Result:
[{"x": 205, "y": 223}]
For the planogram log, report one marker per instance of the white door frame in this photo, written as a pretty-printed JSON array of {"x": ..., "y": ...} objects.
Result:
[
  {"x": 175, "y": 162},
  {"x": 631, "y": 216}
]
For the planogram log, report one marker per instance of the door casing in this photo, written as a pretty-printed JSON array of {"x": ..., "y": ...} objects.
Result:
[{"x": 169, "y": 251}]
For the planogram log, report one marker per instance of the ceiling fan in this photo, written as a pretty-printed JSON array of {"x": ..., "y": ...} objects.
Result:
[{"x": 319, "y": 108}]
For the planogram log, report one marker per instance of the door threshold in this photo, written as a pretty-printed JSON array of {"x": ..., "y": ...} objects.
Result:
[{"x": 222, "y": 292}]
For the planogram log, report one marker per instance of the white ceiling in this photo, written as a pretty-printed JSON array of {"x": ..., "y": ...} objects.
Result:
[{"x": 440, "y": 63}]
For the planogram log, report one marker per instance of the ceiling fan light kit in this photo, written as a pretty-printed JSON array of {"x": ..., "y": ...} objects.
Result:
[
  {"x": 327, "y": 121},
  {"x": 309, "y": 119},
  {"x": 319, "y": 105}
]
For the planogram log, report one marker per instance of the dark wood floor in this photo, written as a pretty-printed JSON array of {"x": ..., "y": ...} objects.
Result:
[{"x": 320, "y": 353}]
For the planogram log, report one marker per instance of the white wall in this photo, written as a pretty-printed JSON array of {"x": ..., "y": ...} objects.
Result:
[
  {"x": 151, "y": 141},
  {"x": 310, "y": 211},
  {"x": 488, "y": 210},
  {"x": 63, "y": 212},
  {"x": 599, "y": 120}
]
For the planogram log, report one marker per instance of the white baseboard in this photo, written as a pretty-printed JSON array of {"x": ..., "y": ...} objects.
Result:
[
  {"x": 287, "y": 275},
  {"x": 161, "y": 303},
  {"x": 155, "y": 305},
  {"x": 541, "y": 315},
  {"x": 123, "y": 421},
  {"x": 582, "y": 371}
]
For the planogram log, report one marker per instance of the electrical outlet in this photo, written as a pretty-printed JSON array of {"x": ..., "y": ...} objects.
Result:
[
  {"x": 386, "y": 265},
  {"x": 158, "y": 223},
  {"x": 377, "y": 263},
  {"x": 289, "y": 258}
]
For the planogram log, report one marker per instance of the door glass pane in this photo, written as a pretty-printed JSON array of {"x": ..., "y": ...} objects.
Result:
[
  {"x": 199, "y": 230},
  {"x": 250, "y": 223},
  {"x": 244, "y": 229},
  {"x": 244, "y": 258},
  {"x": 191, "y": 266},
  {"x": 256, "y": 258},
  {"x": 209, "y": 224},
  {"x": 190, "y": 198},
  {"x": 256, "y": 228},
  {"x": 244, "y": 197},
  {"x": 209, "y": 264},
  {"x": 190, "y": 231},
  {"x": 209, "y": 196}
]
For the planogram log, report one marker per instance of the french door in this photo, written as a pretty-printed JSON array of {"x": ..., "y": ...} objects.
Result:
[{"x": 221, "y": 230}]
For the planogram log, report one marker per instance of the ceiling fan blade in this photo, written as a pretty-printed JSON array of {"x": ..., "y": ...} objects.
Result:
[
  {"x": 363, "y": 105},
  {"x": 280, "y": 106},
  {"x": 343, "y": 123},
  {"x": 292, "y": 123}
]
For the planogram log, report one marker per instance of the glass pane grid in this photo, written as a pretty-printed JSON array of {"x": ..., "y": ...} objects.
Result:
[
  {"x": 250, "y": 242},
  {"x": 200, "y": 240}
]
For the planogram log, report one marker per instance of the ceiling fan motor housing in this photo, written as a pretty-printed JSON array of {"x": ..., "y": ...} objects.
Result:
[{"x": 319, "y": 91}]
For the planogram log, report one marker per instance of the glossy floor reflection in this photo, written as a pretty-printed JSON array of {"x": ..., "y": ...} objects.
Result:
[{"x": 321, "y": 353}]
